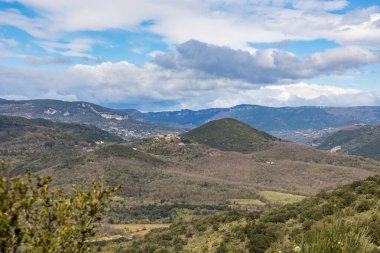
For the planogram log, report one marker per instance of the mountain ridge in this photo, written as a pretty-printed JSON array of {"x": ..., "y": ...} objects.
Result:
[
  {"x": 291, "y": 123},
  {"x": 112, "y": 120},
  {"x": 274, "y": 118}
]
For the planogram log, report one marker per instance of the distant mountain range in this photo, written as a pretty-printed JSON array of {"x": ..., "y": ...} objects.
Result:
[
  {"x": 293, "y": 123},
  {"x": 270, "y": 118}
]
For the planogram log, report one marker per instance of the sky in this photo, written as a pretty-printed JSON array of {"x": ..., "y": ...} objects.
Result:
[{"x": 156, "y": 55}]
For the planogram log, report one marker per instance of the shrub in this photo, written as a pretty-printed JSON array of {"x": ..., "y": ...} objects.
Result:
[
  {"x": 34, "y": 218},
  {"x": 337, "y": 237},
  {"x": 363, "y": 205}
]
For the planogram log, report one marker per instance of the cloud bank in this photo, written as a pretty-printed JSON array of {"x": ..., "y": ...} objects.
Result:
[
  {"x": 198, "y": 75},
  {"x": 210, "y": 59},
  {"x": 265, "y": 66}
]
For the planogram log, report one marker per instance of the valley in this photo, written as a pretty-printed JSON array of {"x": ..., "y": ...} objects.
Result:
[
  {"x": 221, "y": 160},
  {"x": 222, "y": 172}
]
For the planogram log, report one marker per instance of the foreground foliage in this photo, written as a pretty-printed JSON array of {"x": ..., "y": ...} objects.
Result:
[
  {"x": 345, "y": 220},
  {"x": 338, "y": 236},
  {"x": 34, "y": 218}
]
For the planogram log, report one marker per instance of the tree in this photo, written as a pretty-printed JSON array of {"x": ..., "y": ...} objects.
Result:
[{"x": 34, "y": 218}]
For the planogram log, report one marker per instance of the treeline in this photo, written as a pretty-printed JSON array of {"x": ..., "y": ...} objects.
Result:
[{"x": 164, "y": 213}]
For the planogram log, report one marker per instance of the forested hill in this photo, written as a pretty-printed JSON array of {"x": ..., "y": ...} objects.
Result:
[
  {"x": 38, "y": 143},
  {"x": 231, "y": 135},
  {"x": 360, "y": 140},
  {"x": 119, "y": 122}
]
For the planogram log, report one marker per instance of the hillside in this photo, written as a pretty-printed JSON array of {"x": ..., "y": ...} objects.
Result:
[
  {"x": 165, "y": 175},
  {"x": 361, "y": 140},
  {"x": 37, "y": 143},
  {"x": 166, "y": 179},
  {"x": 344, "y": 220},
  {"x": 119, "y": 122},
  {"x": 230, "y": 135}
]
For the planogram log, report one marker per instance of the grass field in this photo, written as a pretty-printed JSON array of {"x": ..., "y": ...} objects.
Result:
[
  {"x": 244, "y": 202},
  {"x": 139, "y": 229},
  {"x": 116, "y": 231},
  {"x": 281, "y": 198}
]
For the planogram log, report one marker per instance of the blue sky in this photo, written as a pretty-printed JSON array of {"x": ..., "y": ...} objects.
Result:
[{"x": 166, "y": 54}]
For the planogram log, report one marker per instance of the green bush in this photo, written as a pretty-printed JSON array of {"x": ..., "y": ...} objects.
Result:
[{"x": 34, "y": 218}]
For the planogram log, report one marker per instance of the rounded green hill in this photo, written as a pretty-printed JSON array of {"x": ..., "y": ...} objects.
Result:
[{"x": 230, "y": 135}]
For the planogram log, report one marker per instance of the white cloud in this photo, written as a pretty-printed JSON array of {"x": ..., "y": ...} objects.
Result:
[
  {"x": 298, "y": 94},
  {"x": 76, "y": 47},
  {"x": 338, "y": 60},
  {"x": 31, "y": 83},
  {"x": 155, "y": 53},
  {"x": 231, "y": 23},
  {"x": 124, "y": 81},
  {"x": 6, "y": 45},
  {"x": 9, "y": 42},
  {"x": 223, "y": 71},
  {"x": 38, "y": 27},
  {"x": 148, "y": 85},
  {"x": 263, "y": 66}
]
